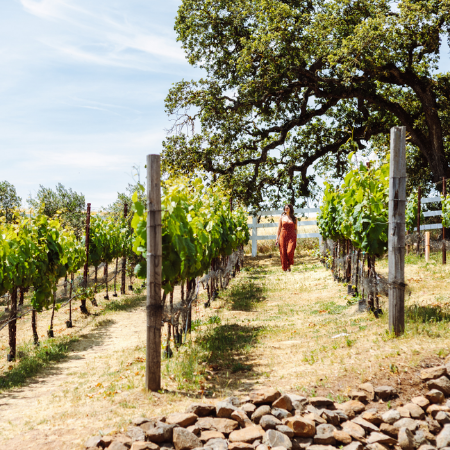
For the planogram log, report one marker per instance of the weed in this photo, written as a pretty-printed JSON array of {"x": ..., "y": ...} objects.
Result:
[{"x": 124, "y": 304}]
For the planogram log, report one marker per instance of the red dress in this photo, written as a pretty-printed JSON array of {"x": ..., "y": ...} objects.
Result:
[{"x": 288, "y": 242}]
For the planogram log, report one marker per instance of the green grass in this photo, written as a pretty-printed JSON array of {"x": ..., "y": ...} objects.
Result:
[
  {"x": 244, "y": 295},
  {"x": 328, "y": 307},
  {"x": 35, "y": 359},
  {"x": 124, "y": 303}
]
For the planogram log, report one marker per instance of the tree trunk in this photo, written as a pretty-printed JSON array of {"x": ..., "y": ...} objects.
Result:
[
  {"x": 50, "y": 330},
  {"x": 34, "y": 327},
  {"x": 12, "y": 326}
]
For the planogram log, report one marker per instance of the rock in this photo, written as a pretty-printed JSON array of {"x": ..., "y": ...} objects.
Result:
[
  {"x": 324, "y": 434},
  {"x": 248, "y": 408},
  {"x": 269, "y": 422},
  {"x": 321, "y": 447},
  {"x": 136, "y": 434},
  {"x": 354, "y": 446},
  {"x": 274, "y": 438},
  {"x": 441, "y": 384},
  {"x": 298, "y": 401},
  {"x": 411, "y": 424},
  {"x": 248, "y": 434},
  {"x": 280, "y": 414},
  {"x": 116, "y": 445},
  {"x": 415, "y": 411},
  {"x": 93, "y": 441},
  {"x": 405, "y": 439},
  {"x": 217, "y": 444},
  {"x": 301, "y": 426},
  {"x": 442, "y": 417},
  {"x": 315, "y": 417},
  {"x": 403, "y": 411},
  {"x": 182, "y": 420},
  {"x": 161, "y": 432},
  {"x": 360, "y": 396},
  {"x": 241, "y": 418},
  {"x": 368, "y": 427},
  {"x": 421, "y": 401},
  {"x": 106, "y": 441},
  {"x": 261, "y": 411},
  {"x": 142, "y": 445},
  {"x": 331, "y": 417},
  {"x": 235, "y": 401},
  {"x": 262, "y": 447},
  {"x": 391, "y": 416},
  {"x": 380, "y": 438},
  {"x": 433, "y": 410},
  {"x": 194, "y": 429},
  {"x": 225, "y": 426},
  {"x": 224, "y": 410},
  {"x": 140, "y": 420},
  {"x": 432, "y": 373},
  {"x": 342, "y": 416},
  {"x": 388, "y": 429},
  {"x": 207, "y": 435},
  {"x": 185, "y": 440},
  {"x": 427, "y": 447},
  {"x": 433, "y": 425},
  {"x": 267, "y": 395},
  {"x": 377, "y": 446},
  {"x": 352, "y": 405},
  {"x": 200, "y": 409},
  {"x": 342, "y": 436},
  {"x": 354, "y": 430},
  {"x": 421, "y": 438},
  {"x": 149, "y": 425},
  {"x": 435, "y": 396},
  {"x": 368, "y": 388},
  {"x": 299, "y": 443},
  {"x": 385, "y": 392},
  {"x": 443, "y": 438},
  {"x": 279, "y": 448},
  {"x": 372, "y": 416},
  {"x": 311, "y": 409},
  {"x": 321, "y": 402},
  {"x": 240, "y": 446},
  {"x": 285, "y": 430},
  {"x": 284, "y": 402}
]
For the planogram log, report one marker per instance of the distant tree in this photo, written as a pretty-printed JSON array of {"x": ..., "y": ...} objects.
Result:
[
  {"x": 69, "y": 204},
  {"x": 9, "y": 200}
]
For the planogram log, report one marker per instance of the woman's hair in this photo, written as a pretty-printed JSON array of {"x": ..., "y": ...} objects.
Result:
[{"x": 291, "y": 212}]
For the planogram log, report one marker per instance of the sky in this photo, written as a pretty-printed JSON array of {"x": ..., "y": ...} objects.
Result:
[{"x": 82, "y": 90}]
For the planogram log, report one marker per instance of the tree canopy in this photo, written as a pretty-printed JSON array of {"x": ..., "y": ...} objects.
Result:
[
  {"x": 9, "y": 200},
  {"x": 293, "y": 86}
]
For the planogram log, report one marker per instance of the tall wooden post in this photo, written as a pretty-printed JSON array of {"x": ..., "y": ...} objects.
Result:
[
  {"x": 88, "y": 225},
  {"x": 427, "y": 246},
  {"x": 124, "y": 259},
  {"x": 419, "y": 198},
  {"x": 154, "y": 266},
  {"x": 255, "y": 237},
  {"x": 397, "y": 203},
  {"x": 444, "y": 248}
]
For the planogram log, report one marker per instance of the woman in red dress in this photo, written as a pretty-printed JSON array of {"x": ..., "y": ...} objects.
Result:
[{"x": 287, "y": 237}]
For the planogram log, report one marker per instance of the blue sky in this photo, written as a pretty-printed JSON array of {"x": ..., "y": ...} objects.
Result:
[{"x": 82, "y": 91}]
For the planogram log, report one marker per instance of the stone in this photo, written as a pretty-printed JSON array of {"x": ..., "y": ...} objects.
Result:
[
  {"x": 368, "y": 427},
  {"x": 321, "y": 402},
  {"x": 355, "y": 445},
  {"x": 279, "y": 448},
  {"x": 224, "y": 410},
  {"x": 403, "y": 411},
  {"x": 411, "y": 424},
  {"x": 280, "y": 414},
  {"x": 434, "y": 409},
  {"x": 182, "y": 420},
  {"x": 352, "y": 405},
  {"x": 248, "y": 434},
  {"x": 274, "y": 438},
  {"x": 377, "y": 446},
  {"x": 106, "y": 441},
  {"x": 405, "y": 439},
  {"x": 200, "y": 409},
  {"x": 435, "y": 396},
  {"x": 368, "y": 388},
  {"x": 421, "y": 401},
  {"x": 324, "y": 434},
  {"x": 427, "y": 447},
  {"x": 299, "y": 443},
  {"x": 235, "y": 401},
  {"x": 354, "y": 430},
  {"x": 342, "y": 437},
  {"x": 217, "y": 444},
  {"x": 388, "y": 429},
  {"x": 442, "y": 417},
  {"x": 385, "y": 392},
  {"x": 433, "y": 425},
  {"x": 360, "y": 396},
  {"x": 248, "y": 408},
  {"x": 225, "y": 426},
  {"x": 284, "y": 402},
  {"x": 185, "y": 440},
  {"x": 421, "y": 438},
  {"x": 262, "y": 447},
  {"x": 315, "y": 417},
  {"x": 321, "y": 447},
  {"x": 441, "y": 384},
  {"x": 443, "y": 438},
  {"x": 432, "y": 373},
  {"x": 142, "y": 445},
  {"x": 342, "y": 416},
  {"x": 331, "y": 417},
  {"x": 207, "y": 435},
  {"x": 241, "y": 418},
  {"x": 391, "y": 416},
  {"x": 194, "y": 429},
  {"x": 116, "y": 445},
  {"x": 285, "y": 430},
  {"x": 269, "y": 422},
  {"x": 310, "y": 409},
  {"x": 136, "y": 434},
  {"x": 301, "y": 426},
  {"x": 380, "y": 438},
  {"x": 298, "y": 401},
  {"x": 267, "y": 395},
  {"x": 240, "y": 446},
  {"x": 93, "y": 441},
  {"x": 161, "y": 432},
  {"x": 372, "y": 416},
  {"x": 140, "y": 420},
  {"x": 415, "y": 411},
  {"x": 261, "y": 411}
]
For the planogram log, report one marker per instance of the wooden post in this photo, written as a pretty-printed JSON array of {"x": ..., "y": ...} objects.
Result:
[
  {"x": 427, "y": 246},
  {"x": 124, "y": 259},
  {"x": 154, "y": 266},
  {"x": 396, "y": 246},
  {"x": 255, "y": 237},
  {"x": 419, "y": 196},
  {"x": 444, "y": 248},
  {"x": 88, "y": 223}
]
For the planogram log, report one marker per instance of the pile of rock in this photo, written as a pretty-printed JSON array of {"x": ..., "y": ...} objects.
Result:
[{"x": 266, "y": 419}]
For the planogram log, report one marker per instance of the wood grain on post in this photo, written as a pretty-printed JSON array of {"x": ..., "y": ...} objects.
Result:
[
  {"x": 419, "y": 198},
  {"x": 154, "y": 266},
  {"x": 444, "y": 249},
  {"x": 396, "y": 246},
  {"x": 427, "y": 246}
]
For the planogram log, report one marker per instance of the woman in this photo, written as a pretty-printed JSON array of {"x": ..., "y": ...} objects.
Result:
[{"x": 287, "y": 237}]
